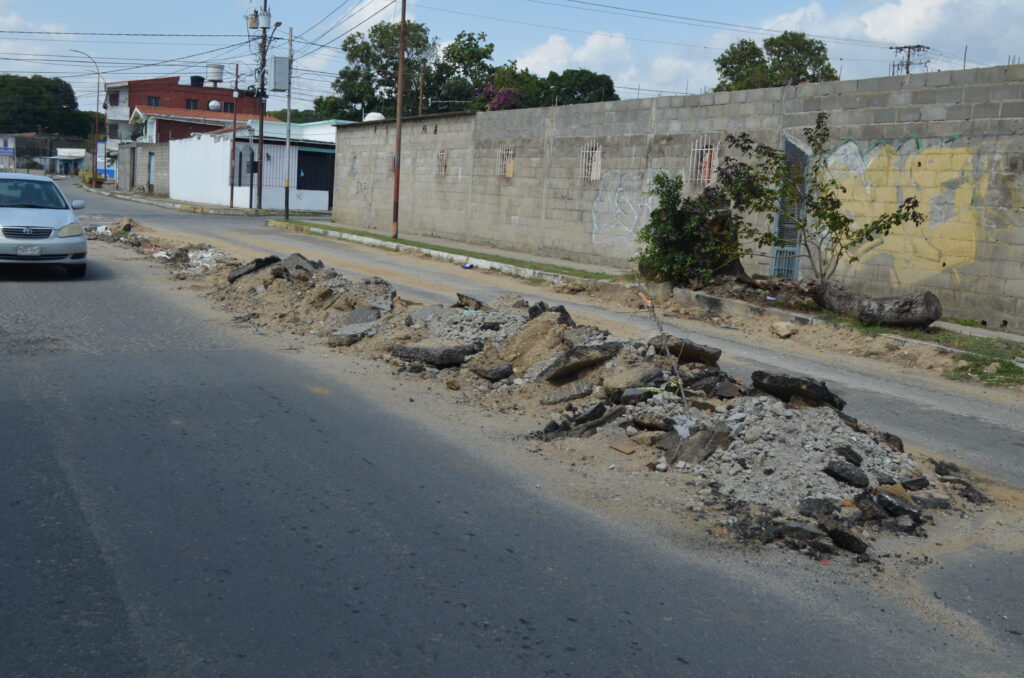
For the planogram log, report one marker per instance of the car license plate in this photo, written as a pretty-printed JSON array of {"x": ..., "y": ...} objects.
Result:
[{"x": 30, "y": 251}]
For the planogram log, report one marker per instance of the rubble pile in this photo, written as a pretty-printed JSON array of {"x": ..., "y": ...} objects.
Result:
[{"x": 774, "y": 461}]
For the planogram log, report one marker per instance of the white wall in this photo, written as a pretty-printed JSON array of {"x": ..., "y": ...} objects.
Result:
[{"x": 200, "y": 168}]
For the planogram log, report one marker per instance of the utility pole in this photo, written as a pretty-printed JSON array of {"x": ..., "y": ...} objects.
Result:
[
  {"x": 420, "y": 112},
  {"x": 234, "y": 138},
  {"x": 398, "y": 122},
  {"x": 261, "y": 93},
  {"x": 288, "y": 130},
  {"x": 911, "y": 50}
]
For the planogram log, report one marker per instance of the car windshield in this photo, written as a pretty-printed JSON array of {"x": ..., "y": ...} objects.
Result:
[{"x": 30, "y": 194}]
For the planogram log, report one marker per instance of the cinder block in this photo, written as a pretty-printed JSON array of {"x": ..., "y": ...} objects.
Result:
[
  {"x": 901, "y": 98},
  {"x": 938, "y": 79},
  {"x": 977, "y": 93},
  {"x": 908, "y": 115},
  {"x": 884, "y": 115},
  {"x": 1014, "y": 109},
  {"x": 924, "y": 96},
  {"x": 949, "y": 95},
  {"x": 984, "y": 111},
  {"x": 965, "y": 77},
  {"x": 930, "y": 113}
]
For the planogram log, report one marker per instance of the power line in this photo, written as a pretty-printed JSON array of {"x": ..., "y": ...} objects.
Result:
[{"x": 133, "y": 35}]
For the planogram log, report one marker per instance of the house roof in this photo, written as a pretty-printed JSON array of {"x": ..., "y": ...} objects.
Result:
[{"x": 187, "y": 115}]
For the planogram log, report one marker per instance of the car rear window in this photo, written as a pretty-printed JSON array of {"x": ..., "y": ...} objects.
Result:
[{"x": 30, "y": 194}]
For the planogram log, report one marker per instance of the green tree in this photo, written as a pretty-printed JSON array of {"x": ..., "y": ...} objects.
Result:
[
  {"x": 787, "y": 59},
  {"x": 39, "y": 104},
  {"x": 368, "y": 81},
  {"x": 578, "y": 86},
  {"x": 469, "y": 57}
]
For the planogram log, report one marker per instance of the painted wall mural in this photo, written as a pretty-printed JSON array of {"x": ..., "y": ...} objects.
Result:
[{"x": 950, "y": 182}]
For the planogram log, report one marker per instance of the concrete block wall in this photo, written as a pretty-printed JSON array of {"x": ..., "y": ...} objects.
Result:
[
  {"x": 950, "y": 138},
  {"x": 161, "y": 167}
]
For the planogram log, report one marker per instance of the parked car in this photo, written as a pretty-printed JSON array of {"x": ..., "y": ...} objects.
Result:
[{"x": 38, "y": 225}]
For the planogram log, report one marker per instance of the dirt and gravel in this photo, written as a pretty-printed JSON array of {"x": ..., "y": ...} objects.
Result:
[{"x": 771, "y": 464}]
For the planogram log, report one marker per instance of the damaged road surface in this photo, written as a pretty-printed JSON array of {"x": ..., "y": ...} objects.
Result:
[{"x": 186, "y": 495}]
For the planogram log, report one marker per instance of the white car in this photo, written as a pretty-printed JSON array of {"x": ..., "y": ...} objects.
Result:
[{"x": 38, "y": 225}]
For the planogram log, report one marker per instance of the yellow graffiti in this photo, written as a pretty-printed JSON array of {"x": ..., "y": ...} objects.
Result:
[{"x": 948, "y": 185}]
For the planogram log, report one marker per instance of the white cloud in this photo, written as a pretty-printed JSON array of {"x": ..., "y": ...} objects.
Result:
[
  {"x": 602, "y": 52},
  {"x": 552, "y": 55}
]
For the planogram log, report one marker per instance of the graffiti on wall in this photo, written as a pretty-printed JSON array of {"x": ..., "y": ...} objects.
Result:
[
  {"x": 621, "y": 208},
  {"x": 950, "y": 183}
]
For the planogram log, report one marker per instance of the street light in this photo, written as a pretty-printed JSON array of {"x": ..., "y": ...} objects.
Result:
[{"x": 96, "y": 119}]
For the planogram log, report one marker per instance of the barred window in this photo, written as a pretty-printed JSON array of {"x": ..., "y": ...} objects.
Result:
[
  {"x": 392, "y": 165},
  {"x": 353, "y": 163},
  {"x": 506, "y": 162},
  {"x": 441, "y": 163},
  {"x": 703, "y": 161},
  {"x": 590, "y": 162}
]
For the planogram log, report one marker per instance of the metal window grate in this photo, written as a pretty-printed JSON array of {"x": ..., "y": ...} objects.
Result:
[
  {"x": 590, "y": 161},
  {"x": 391, "y": 163},
  {"x": 506, "y": 162},
  {"x": 703, "y": 161},
  {"x": 353, "y": 163},
  {"x": 441, "y": 163}
]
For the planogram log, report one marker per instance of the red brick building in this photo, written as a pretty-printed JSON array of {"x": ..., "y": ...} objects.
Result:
[{"x": 124, "y": 98}]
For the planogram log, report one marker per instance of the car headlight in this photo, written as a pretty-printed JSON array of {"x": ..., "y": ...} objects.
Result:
[{"x": 70, "y": 231}]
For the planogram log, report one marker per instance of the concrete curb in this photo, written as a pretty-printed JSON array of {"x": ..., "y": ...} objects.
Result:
[
  {"x": 742, "y": 308},
  {"x": 476, "y": 262},
  {"x": 197, "y": 209}
]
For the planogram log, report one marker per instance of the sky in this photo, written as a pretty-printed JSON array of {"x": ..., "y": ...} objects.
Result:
[{"x": 648, "y": 47}]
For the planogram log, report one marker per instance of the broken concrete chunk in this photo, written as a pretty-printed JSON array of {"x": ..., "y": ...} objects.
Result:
[
  {"x": 491, "y": 370},
  {"x": 849, "y": 454},
  {"x": 914, "y": 484},
  {"x": 579, "y": 358},
  {"x": 434, "y": 354},
  {"x": 945, "y": 468},
  {"x": 252, "y": 267},
  {"x": 930, "y": 501},
  {"x": 895, "y": 506},
  {"x": 969, "y": 491},
  {"x": 847, "y": 540},
  {"x": 592, "y": 413},
  {"x": 296, "y": 267},
  {"x": 422, "y": 314},
  {"x": 684, "y": 350},
  {"x": 785, "y": 387},
  {"x": 580, "y": 389},
  {"x": 362, "y": 315},
  {"x": 652, "y": 422},
  {"x": 869, "y": 508},
  {"x": 472, "y": 303},
  {"x": 563, "y": 315},
  {"x": 845, "y": 472},
  {"x": 801, "y": 531},
  {"x": 813, "y": 507},
  {"x": 348, "y": 335},
  {"x": 622, "y": 377},
  {"x": 698, "y": 447},
  {"x": 783, "y": 329},
  {"x": 726, "y": 388}
]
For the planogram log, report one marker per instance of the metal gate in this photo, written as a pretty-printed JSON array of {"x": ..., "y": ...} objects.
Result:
[{"x": 786, "y": 256}]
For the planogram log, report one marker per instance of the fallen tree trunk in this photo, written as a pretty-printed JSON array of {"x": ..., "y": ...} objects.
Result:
[{"x": 919, "y": 309}]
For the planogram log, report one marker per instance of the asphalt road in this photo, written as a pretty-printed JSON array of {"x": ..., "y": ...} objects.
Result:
[{"x": 177, "y": 502}]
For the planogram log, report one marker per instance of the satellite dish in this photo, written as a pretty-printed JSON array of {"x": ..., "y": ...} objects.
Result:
[{"x": 373, "y": 117}]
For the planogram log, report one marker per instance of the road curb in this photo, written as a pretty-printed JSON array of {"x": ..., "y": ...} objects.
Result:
[{"x": 476, "y": 262}]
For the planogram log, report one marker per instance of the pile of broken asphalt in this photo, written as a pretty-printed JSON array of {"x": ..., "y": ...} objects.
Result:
[{"x": 776, "y": 461}]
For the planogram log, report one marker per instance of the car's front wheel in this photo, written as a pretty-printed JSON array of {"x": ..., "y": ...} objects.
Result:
[{"x": 76, "y": 270}]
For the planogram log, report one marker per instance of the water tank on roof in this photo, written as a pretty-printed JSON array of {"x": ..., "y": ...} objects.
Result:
[
  {"x": 373, "y": 117},
  {"x": 215, "y": 73},
  {"x": 215, "y": 105},
  {"x": 197, "y": 80}
]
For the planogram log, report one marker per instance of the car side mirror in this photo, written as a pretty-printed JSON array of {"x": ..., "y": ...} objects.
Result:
[{"x": 77, "y": 204}]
